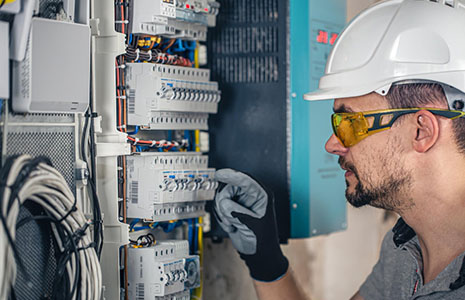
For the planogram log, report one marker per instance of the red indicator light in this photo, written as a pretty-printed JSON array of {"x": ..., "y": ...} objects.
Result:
[
  {"x": 206, "y": 9},
  {"x": 333, "y": 38},
  {"x": 322, "y": 37},
  {"x": 188, "y": 6}
]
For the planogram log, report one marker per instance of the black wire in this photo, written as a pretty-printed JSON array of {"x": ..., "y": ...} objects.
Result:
[
  {"x": 97, "y": 213},
  {"x": 3, "y": 3},
  {"x": 69, "y": 239}
]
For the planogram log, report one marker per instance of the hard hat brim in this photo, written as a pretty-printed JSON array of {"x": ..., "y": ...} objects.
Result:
[{"x": 335, "y": 93}]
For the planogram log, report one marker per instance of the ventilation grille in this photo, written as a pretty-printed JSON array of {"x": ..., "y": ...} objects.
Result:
[
  {"x": 37, "y": 252},
  {"x": 55, "y": 142},
  {"x": 245, "y": 43}
]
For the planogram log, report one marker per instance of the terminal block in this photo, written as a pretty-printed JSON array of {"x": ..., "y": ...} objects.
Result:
[
  {"x": 167, "y": 186},
  {"x": 185, "y": 295},
  {"x": 163, "y": 269},
  {"x": 175, "y": 19},
  {"x": 163, "y": 88},
  {"x": 175, "y": 121}
]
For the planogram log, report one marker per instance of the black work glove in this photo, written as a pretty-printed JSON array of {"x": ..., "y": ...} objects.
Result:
[{"x": 246, "y": 212}]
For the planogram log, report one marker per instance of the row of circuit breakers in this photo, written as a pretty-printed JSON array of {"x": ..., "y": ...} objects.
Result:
[
  {"x": 168, "y": 186},
  {"x": 164, "y": 89}
]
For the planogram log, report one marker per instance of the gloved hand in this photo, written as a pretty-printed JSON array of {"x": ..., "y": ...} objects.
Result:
[{"x": 246, "y": 212}]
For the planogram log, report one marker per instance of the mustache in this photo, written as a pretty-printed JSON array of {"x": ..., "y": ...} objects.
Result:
[{"x": 346, "y": 165}]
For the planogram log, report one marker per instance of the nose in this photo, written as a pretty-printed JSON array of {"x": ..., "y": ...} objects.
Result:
[{"x": 334, "y": 146}]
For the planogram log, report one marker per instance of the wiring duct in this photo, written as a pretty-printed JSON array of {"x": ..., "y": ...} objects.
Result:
[{"x": 78, "y": 274}]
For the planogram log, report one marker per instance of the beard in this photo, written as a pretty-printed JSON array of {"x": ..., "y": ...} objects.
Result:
[{"x": 389, "y": 194}]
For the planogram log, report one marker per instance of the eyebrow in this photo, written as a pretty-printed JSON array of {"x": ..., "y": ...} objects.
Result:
[{"x": 342, "y": 109}]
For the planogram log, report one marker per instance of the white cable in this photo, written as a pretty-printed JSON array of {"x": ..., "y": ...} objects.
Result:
[{"x": 47, "y": 187}]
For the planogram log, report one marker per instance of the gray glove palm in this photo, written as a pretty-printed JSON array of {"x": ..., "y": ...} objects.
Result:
[{"x": 246, "y": 212}]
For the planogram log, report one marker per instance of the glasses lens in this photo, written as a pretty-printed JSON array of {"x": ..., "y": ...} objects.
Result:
[{"x": 350, "y": 128}]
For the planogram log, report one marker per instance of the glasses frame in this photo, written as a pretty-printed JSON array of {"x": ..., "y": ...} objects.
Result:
[{"x": 396, "y": 113}]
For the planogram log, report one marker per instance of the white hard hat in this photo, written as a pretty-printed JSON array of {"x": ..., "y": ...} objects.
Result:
[{"x": 395, "y": 41}]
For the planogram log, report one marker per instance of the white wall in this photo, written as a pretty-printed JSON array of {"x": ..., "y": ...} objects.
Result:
[{"x": 328, "y": 267}]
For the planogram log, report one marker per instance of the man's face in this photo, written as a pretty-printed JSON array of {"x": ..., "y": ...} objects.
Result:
[{"x": 376, "y": 173}]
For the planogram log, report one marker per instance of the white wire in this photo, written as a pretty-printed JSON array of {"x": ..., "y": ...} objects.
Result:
[{"x": 57, "y": 199}]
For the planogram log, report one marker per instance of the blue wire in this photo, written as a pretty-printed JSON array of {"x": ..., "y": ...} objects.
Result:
[
  {"x": 136, "y": 130},
  {"x": 133, "y": 223},
  {"x": 130, "y": 39},
  {"x": 190, "y": 45},
  {"x": 196, "y": 240},
  {"x": 139, "y": 228},
  {"x": 190, "y": 234},
  {"x": 179, "y": 46}
]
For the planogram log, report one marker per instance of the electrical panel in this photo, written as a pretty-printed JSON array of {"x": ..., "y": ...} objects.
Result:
[
  {"x": 163, "y": 269},
  {"x": 157, "y": 183},
  {"x": 176, "y": 19},
  {"x": 47, "y": 82},
  {"x": 164, "y": 88}
]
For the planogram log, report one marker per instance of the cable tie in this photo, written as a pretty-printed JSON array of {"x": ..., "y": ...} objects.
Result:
[
  {"x": 150, "y": 55},
  {"x": 121, "y": 126},
  {"x": 136, "y": 140},
  {"x": 123, "y": 66},
  {"x": 161, "y": 143},
  {"x": 137, "y": 54},
  {"x": 122, "y": 22},
  {"x": 153, "y": 143},
  {"x": 120, "y": 97}
]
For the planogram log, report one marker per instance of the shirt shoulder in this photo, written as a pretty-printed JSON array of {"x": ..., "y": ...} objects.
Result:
[{"x": 392, "y": 276}]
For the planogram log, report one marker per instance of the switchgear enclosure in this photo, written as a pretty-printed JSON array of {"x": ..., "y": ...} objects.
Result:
[{"x": 54, "y": 75}]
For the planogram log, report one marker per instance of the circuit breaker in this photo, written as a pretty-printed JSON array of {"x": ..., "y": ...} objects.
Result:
[
  {"x": 168, "y": 186},
  {"x": 155, "y": 88},
  {"x": 163, "y": 269}
]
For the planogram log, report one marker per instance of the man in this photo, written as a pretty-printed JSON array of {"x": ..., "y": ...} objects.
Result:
[{"x": 397, "y": 73}]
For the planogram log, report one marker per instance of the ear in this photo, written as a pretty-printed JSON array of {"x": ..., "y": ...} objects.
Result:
[{"x": 427, "y": 131}]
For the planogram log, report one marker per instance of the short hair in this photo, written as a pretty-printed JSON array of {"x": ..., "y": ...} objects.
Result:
[{"x": 420, "y": 94}]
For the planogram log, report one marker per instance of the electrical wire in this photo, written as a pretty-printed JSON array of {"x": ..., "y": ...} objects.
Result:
[
  {"x": 78, "y": 274},
  {"x": 197, "y": 294}
]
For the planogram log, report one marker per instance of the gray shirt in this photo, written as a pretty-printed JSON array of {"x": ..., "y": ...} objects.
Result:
[{"x": 398, "y": 273}]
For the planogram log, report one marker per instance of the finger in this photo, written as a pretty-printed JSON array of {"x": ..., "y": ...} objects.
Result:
[
  {"x": 255, "y": 201},
  {"x": 236, "y": 178}
]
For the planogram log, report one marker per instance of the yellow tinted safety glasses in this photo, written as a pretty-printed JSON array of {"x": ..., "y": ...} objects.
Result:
[{"x": 350, "y": 128}]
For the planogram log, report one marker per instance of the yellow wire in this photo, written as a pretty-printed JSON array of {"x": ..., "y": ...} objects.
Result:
[
  {"x": 9, "y": 1},
  {"x": 196, "y": 56},
  {"x": 198, "y": 291},
  {"x": 197, "y": 141}
]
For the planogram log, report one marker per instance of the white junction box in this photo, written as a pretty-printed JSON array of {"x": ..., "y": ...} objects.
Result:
[
  {"x": 55, "y": 74},
  {"x": 4, "y": 61},
  {"x": 162, "y": 88},
  {"x": 163, "y": 269},
  {"x": 157, "y": 179}
]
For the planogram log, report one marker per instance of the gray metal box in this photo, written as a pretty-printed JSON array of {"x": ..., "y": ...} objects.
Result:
[
  {"x": 4, "y": 61},
  {"x": 55, "y": 74}
]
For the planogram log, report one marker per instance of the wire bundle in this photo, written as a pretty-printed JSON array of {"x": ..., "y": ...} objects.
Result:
[
  {"x": 78, "y": 273},
  {"x": 156, "y": 56}
]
